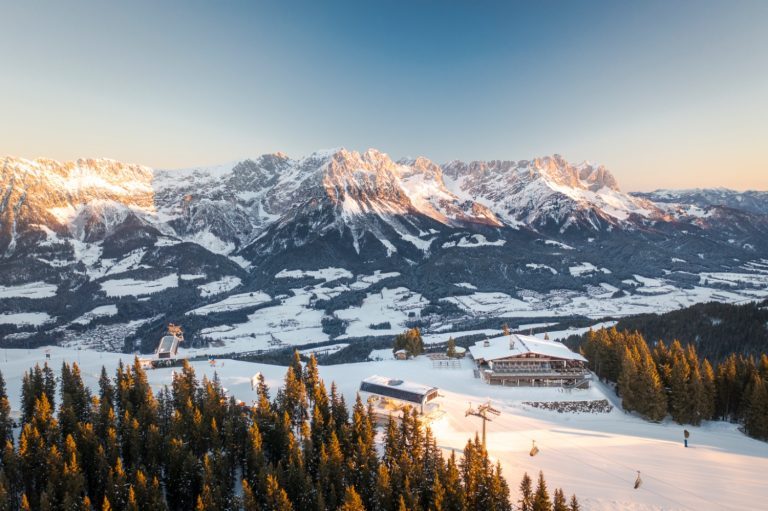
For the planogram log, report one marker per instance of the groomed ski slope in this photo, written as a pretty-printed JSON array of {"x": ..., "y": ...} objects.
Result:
[{"x": 595, "y": 456}]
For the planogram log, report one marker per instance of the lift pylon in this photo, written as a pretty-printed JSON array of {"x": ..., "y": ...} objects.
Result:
[{"x": 482, "y": 411}]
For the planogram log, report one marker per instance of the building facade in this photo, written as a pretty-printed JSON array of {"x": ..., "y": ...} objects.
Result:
[{"x": 525, "y": 361}]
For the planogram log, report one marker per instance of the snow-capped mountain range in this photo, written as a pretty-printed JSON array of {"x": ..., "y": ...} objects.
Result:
[
  {"x": 93, "y": 233},
  {"x": 229, "y": 207}
]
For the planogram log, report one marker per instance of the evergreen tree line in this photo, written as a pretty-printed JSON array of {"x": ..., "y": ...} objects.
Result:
[
  {"x": 672, "y": 379},
  {"x": 717, "y": 329},
  {"x": 191, "y": 447}
]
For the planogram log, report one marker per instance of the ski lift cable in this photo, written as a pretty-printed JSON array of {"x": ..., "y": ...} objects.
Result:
[{"x": 615, "y": 463}]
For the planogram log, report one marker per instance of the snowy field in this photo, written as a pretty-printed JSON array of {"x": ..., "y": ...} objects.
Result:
[
  {"x": 218, "y": 286},
  {"x": 30, "y": 290},
  {"x": 134, "y": 287},
  {"x": 595, "y": 456},
  {"x": 233, "y": 302},
  {"x": 25, "y": 318},
  {"x": 99, "y": 312}
]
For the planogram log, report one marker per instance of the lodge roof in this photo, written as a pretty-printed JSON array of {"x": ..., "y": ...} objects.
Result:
[{"x": 516, "y": 345}]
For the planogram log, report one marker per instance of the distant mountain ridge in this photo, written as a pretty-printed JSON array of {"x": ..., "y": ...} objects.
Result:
[
  {"x": 99, "y": 234},
  {"x": 751, "y": 201}
]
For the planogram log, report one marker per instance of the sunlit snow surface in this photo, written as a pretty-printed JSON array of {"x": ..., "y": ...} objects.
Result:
[{"x": 594, "y": 456}]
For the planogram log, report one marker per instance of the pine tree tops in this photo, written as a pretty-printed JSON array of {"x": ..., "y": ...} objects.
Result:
[
  {"x": 539, "y": 499},
  {"x": 6, "y": 424},
  {"x": 639, "y": 382},
  {"x": 352, "y": 500},
  {"x": 188, "y": 446},
  {"x": 526, "y": 493},
  {"x": 674, "y": 379}
]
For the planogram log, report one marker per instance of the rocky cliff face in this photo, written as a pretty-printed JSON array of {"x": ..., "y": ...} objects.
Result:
[
  {"x": 549, "y": 193},
  {"x": 154, "y": 243},
  {"x": 88, "y": 199}
]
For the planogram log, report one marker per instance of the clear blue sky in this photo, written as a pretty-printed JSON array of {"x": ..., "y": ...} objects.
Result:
[{"x": 666, "y": 94}]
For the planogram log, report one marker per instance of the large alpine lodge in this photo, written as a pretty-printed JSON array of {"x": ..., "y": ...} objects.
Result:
[{"x": 522, "y": 360}]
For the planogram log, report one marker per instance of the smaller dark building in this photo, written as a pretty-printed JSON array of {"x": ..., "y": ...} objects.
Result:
[{"x": 399, "y": 390}]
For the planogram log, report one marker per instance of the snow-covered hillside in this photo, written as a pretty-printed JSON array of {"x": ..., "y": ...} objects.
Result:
[{"x": 595, "y": 456}]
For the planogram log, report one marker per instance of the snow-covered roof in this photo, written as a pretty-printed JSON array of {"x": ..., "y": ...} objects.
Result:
[
  {"x": 398, "y": 389},
  {"x": 516, "y": 345},
  {"x": 168, "y": 344}
]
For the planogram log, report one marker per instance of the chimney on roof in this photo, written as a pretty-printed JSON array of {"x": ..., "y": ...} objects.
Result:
[
  {"x": 486, "y": 343},
  {"x": 511, "y": 342}
]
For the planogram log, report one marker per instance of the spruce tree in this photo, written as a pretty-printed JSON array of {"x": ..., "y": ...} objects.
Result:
[
  {"x": 710, "y": 390},
  {"x": 451, "y": 350},
  {"x": 499, "y": 490},
  {"x": 352, "y": 500},
  {"x": 541, "y": 500},
  {"x": 49, "y": 385},
  {"x": 6, "y": 424},
  {"x": 525, "y": 503},
  {"x": 756, "y": 416},
  {"x": 678, "y": 385},
  {"x": 293, "y": 398},
  {"x": 275, "y": 498},
  {"x": 559, "y": 503},
  {"x": 383, "y": 496},
  {"x": 250, "y": 502}
]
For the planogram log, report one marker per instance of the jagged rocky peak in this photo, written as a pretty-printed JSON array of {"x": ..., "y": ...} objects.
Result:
[
  {"x": 359, "y": 181},
  {"x": 81, "y": 174},
  {"x": 548, "y": 192},
  {"x": 554, "y": 169}
]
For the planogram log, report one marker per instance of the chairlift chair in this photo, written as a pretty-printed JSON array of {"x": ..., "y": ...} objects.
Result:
[{"x": 534, "y": 449}]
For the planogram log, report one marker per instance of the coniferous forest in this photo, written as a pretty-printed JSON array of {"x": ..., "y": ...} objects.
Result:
[
  {"x": 673, "y": 379},
  {"x": 717, "y": 329},
  {"x": 190, "y": 446}
]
